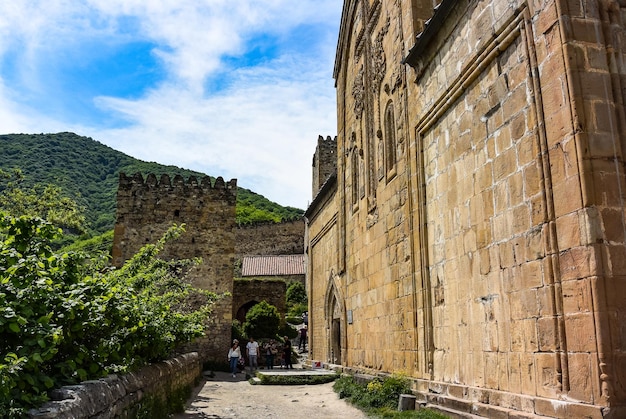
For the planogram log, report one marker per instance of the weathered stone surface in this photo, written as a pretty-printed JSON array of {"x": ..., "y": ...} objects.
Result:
[
  {"x": 247, "y": 292},
  {"x": 146, "y": 209},
  {"x": 286, "y": 238},
  {"x": 118, "y": 396},
  {"x": 506, "y": 249}
]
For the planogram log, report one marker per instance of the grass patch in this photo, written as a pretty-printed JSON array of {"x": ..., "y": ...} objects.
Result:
[
  {"x": 379, "y": 397},
  {"x": 294, "y": 380}
]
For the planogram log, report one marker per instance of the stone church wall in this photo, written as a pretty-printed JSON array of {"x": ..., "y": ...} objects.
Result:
[
  {"x": 475, "y": 237},
  {"x": 147, "y": 208}
]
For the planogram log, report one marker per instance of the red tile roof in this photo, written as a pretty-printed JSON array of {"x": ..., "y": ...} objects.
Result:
[{"x": 273, "y": 265}]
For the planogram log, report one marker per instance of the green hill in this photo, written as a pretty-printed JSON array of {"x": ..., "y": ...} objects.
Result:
[{"x": 88, "y": 172}]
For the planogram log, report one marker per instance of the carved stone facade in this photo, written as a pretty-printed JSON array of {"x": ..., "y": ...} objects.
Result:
[
  {"x": 147, "y": 208},
  {"x": 474, "y": 234}
]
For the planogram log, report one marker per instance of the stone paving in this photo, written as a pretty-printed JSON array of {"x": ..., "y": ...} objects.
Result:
[{"x": 223, "y": 396}]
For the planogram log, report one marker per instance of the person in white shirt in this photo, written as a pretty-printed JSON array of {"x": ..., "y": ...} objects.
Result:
[
  {"x": 253, "y": 352},
  {"x": 234, "y": 353}
]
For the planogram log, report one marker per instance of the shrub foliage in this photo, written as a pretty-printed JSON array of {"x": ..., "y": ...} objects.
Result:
[
  {"x": 379, "y": 397},
  {"x": 66, "y": 317},
  {"x": 262, "y": 321},
  {"x": 297, "y": 302}
]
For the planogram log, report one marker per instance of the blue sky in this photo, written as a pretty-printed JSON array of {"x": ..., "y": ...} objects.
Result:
[{"x": 238, "y": 89}]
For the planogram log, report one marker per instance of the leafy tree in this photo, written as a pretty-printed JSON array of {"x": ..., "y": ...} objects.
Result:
[
  {"x": 296, "y": 293},
  {"x": 45, "y": 201},
  {"x": 297, "y": 301},
  {"x": 66, "y": 317},
  {"x": 262, "y": 321}
]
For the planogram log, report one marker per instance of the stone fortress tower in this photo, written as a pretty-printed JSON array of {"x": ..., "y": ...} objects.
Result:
[
  {"x": 324, "y": 161},
  {"x": 147, "y": 208}
]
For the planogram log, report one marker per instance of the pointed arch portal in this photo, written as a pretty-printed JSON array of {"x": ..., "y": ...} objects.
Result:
[{"x": 335, "y": 315}]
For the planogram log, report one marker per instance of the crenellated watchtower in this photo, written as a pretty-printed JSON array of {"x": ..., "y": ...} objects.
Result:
[
  {"x": 147, "y": 208},
  {"x": 324, "y": 161}
]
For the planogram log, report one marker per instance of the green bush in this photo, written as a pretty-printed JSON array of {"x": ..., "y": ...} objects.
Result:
[
  {"x": 66, "y": 317},
  {"x": 296, "y": 293},
  {"x": 286, "y": 330},
  {"x": 294, "y": 315},
  {"x": 297, "y": 302},
  {"x": 262, "y": 321},
  {"x": 379, "y": 397}
]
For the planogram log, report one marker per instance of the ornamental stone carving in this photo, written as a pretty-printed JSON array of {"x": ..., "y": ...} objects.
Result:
[
  {"x": 379, "y": 61},
  {"x": 358, "y": 91}
]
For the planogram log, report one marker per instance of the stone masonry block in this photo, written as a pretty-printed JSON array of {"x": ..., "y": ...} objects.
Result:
[
  {"x": 551, "y": 408},
  {"x": 617, "y": 255},
  {"x": 585, "y": 411},
  {"x": 568, "y": 231},
  {"x": 567, "y": 196},
  {"x": 613, "y": 224},
  {"x": 586, "y": 30},
  {"x": 529, "y": 376},
  {"x": 580, "y": 332},
  {"x": 547, "y": 377},
  {"x": 558, "y": 120},
  {"x": 546, "y": 19},
  {"x": 546, "y": 333},
  {"x": 576, "y": 296},
  {"x": 579, "y": 262},
  {"x": 580, "y": 377},
  {"x": 606, "y": 184}
]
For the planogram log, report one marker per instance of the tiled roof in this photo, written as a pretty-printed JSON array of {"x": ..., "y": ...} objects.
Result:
[{"x": 273, "y": 265}]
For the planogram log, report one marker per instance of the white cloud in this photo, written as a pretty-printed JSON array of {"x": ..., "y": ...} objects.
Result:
[{"x": 261, "y": 128}]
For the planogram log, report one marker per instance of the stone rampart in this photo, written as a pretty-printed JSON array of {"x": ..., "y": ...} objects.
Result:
[
  {"x": 286, "y": 238},
  {"x": 145, "y": 391}
]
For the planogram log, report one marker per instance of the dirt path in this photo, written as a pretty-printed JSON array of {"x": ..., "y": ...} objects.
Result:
[{"x": 226, "y": 397}]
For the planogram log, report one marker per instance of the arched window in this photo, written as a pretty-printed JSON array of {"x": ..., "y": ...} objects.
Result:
[{"x": 390, "y": 139}]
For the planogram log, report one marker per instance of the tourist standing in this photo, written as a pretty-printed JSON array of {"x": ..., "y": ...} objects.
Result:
[
  {"x": 287, "y": 353},
  {"x": 302, "y": 343},
  {"x": 253, "y": 352},
  {"x": 270, "y": 352},
  {"x": 234, "y": 353}
]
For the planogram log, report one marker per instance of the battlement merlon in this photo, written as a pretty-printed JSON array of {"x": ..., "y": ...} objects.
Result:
[
  {"x": 321, "y": 140},
  {"x": 137, "y": 182}
]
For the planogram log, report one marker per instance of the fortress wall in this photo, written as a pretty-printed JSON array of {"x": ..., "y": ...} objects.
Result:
[{"x": 286, "y": 238}]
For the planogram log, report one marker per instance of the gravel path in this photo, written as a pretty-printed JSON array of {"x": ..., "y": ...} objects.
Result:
[{"x": 226, "y": 397}]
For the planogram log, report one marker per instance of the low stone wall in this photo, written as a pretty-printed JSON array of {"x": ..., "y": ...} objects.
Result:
[{"x": 155, "y": 386}]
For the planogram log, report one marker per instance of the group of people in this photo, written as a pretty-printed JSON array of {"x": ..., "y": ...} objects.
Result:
[{"x": 270, "y": 349}]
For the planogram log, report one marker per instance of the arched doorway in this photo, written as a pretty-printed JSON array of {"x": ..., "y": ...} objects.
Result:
[
  {"x": 335, "y": 323},
  {"x": 243, "y": 310},
  {"x": 335, "y": 334}
]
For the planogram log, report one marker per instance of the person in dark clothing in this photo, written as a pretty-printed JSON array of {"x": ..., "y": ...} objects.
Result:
[
  {"x": 287, "y": 353},
  {"x": 302, "y": 343}
]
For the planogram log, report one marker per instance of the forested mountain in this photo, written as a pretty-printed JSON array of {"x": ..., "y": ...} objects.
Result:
[{"x": 88, "y": 172}]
